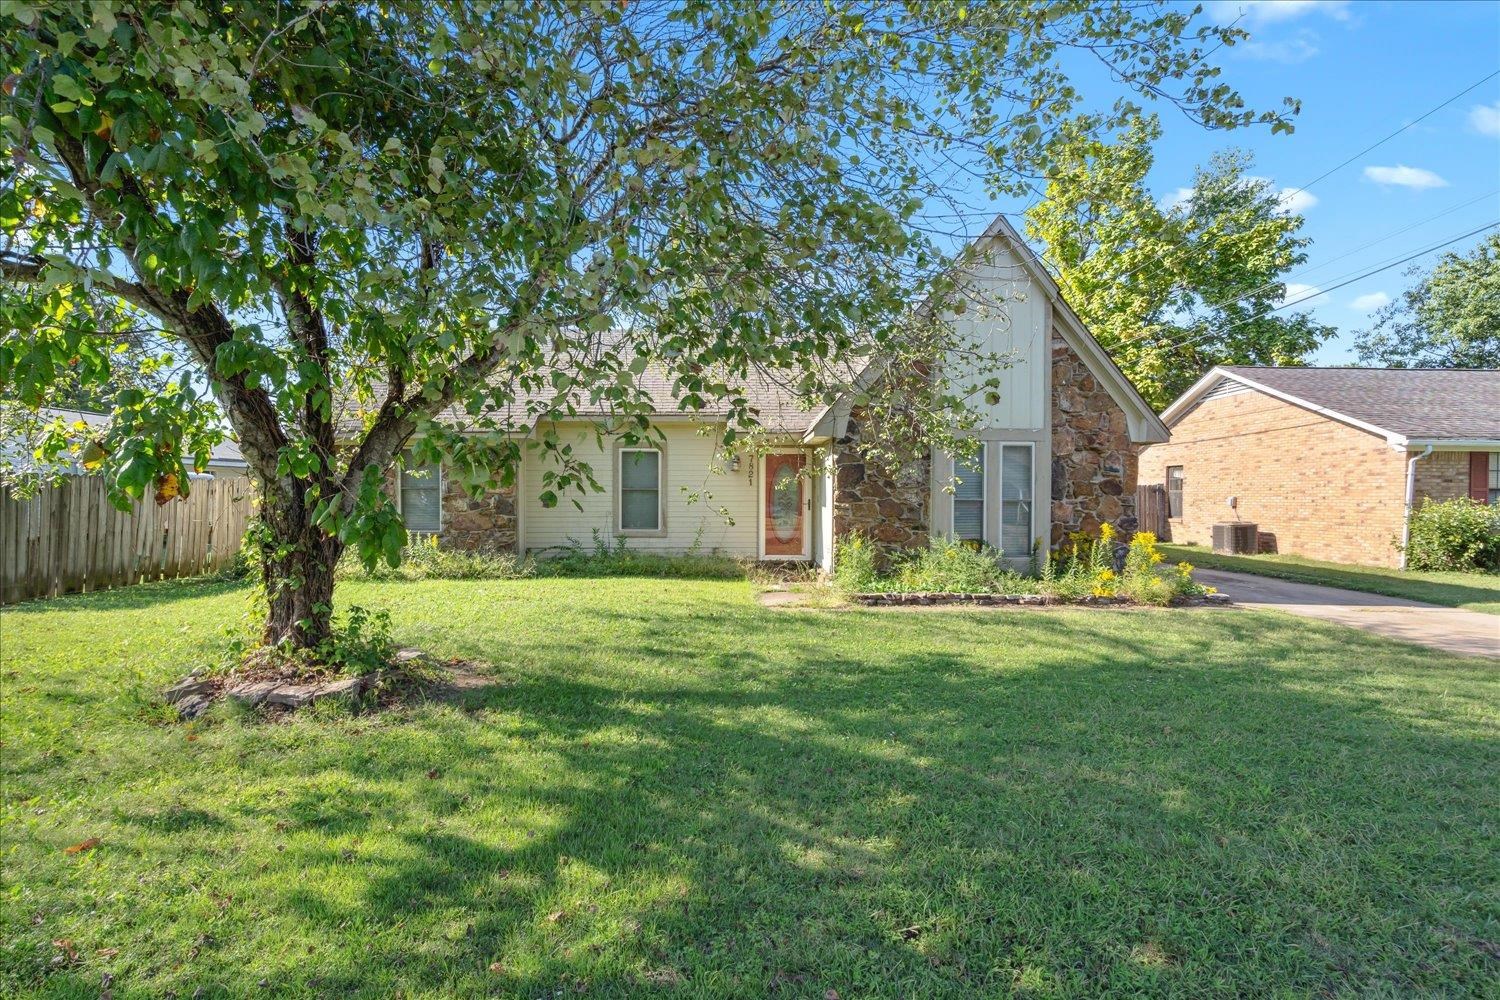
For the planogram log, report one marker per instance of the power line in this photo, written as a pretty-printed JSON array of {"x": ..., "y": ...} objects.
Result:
[
  {"x": 1173, "y": 345},
  {"x": 1159, "y": 261},
  {"x": 1304, "y": 272},
  {"x": 1403, "y": 128}
]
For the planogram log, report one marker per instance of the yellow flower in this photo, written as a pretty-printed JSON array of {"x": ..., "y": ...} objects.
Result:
[
  {"x": 1185, "y": 568},
  {"x": 1107, "y": 531},
  {"x": 1106, "y": 574},
  {"x": 1157, "y": 557}
]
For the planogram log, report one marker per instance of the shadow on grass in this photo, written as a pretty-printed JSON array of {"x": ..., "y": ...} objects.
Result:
[{"x": 804, "y": 809}]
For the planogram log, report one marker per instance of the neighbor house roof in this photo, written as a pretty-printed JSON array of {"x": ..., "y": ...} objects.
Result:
[
  {"x": 1406, "y": 406},
  {"x": 225, "y": 455}
]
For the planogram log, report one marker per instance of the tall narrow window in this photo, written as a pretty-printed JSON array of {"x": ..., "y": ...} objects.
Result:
[
  {"x": 1495, "y": 479},
  {"x": 968, "y": 499},
  {"x": 1174, "y": 491},
  {"x": 421, "y": 495},
  {"x": 1015, "y": 500},
  {"x": 640, "y": 489}
]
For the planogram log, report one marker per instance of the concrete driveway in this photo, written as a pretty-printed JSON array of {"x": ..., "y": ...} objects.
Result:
[{"x": 1453, "y": 630}]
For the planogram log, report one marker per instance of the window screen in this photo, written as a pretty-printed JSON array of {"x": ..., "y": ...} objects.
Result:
[
  {"x": 421, "y": 496},
  {"x": 1174, "y": 491},
  {"x": 968, "y": 499},
  {"x": 1015, "y": 500},
  {"x": 640, "y": 489}
]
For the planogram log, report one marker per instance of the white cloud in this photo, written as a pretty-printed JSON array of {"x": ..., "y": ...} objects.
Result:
[
  {"x": 1177, "y": 199},
  {"x": 1404, "y": 176},
  {"x": 1303, "y": 295},
  {"x": 1274, "y": 11},
  {"x": 1370, "y": 302},
  {"x": 1287, "y": 50},
  {"x": 1295, "y": 201},
  {"x": 1485, "y": 119}
]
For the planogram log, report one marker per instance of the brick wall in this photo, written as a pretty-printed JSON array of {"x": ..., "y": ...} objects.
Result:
[
  {"x": 1443, "y": 475},
  {"x": 1093, "y": 462},
  {"x": 1324, "y": 489}
]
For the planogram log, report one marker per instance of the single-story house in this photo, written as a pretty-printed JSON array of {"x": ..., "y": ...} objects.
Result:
[
  {"x": 1326, "y": 461},
  {"x": 16, "y": 451},
  {"x": 1058, "y": 455}
]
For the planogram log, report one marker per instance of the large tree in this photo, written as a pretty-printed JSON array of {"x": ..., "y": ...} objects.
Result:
[
  {"x": 1175, "y": 286},
  {"x": 343, "y": 220},
  {"x": 1448, "y": 318}
]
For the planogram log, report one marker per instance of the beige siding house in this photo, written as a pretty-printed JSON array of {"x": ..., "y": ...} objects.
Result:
[
  {"x": 1058, "y": 455},
  {"x": 1326, "y": 461}
]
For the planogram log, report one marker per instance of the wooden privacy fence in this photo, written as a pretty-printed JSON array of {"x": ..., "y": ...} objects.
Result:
[
  {"x": 68, "y": 538},
  {"x": 1151, "y": 510}
]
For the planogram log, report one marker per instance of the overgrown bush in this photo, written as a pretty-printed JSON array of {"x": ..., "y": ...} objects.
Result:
[
  {"x": 427, "y": 560},
  {"x": 944, "y": 566},
  {"x": 1461, "y": 535},
  {"x": 618, "y": 559},
  {"x": 856, "y": 567},
  {"x": 1084, "y": 568}
]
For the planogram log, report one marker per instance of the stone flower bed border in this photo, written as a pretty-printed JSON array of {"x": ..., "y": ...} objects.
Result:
[{"x": 880, "y": 599}]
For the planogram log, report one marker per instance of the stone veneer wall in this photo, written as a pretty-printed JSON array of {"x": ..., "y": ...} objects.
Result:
[
  {"x": 890, "y": 509},
  {"x": 487, "y": 524},
  {"x": 1093, "y": 461}
]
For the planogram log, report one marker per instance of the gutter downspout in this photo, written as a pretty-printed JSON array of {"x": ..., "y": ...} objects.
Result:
[{"x": 1411, "y": 493}]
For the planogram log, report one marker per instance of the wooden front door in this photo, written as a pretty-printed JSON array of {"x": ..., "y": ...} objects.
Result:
[{"x": 784, "y": 524}]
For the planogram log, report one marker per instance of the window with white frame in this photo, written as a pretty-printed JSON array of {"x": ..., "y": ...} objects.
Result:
[
  {"x": 1015, "y": 499},
  {"x": 1174, "y": 491},
  {"x": 1495, "y": 479},
  {"x": 968, "y": 499},
  {"x": 640, "y": 489},
  {"x": 421, "y": 495}
]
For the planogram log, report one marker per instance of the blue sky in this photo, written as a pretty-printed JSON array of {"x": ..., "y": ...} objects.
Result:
[{"x": 1361, "y": 70}]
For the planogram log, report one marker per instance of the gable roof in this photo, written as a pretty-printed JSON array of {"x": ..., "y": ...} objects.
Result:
[
  {"x": 1406, "y": 406},
  {"x": 782, "y": 411},
  {"x": 1144, "y": 425}
]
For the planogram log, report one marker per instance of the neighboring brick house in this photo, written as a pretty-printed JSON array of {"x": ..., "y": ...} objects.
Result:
[
  {"x": 1326, "y": 460},
  {"x": 1059, "y": 441}
]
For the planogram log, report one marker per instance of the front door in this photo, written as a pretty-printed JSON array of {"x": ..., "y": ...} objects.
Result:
[{"x": 784, "y": 524}]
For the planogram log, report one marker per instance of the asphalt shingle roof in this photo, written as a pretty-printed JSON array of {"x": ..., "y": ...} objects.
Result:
[{"x": 1420, "y": 404}]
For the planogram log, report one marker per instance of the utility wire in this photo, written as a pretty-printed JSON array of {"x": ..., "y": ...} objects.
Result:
[
  {"x": 1159, "y": 260},
  {"x": 1173, "y": 345},
  {"x": 1304, "y": 272}
]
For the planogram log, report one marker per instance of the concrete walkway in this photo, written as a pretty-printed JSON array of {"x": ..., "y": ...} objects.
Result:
[{"x": 1453, "y": 630}]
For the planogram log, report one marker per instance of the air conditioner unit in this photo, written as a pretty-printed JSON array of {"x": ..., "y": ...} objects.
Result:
[{"x": 1235, "y": 538}]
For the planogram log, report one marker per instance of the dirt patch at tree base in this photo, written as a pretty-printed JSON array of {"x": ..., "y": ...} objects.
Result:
[{"x": 265, "y": 683}]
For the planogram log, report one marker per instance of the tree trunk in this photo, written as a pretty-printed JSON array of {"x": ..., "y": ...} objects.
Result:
[{"x": 297, "y": 562}]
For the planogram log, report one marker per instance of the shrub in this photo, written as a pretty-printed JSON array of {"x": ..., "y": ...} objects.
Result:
[
  {"x": 955, "y": 567},
  {"x": 426, "y": 560},
  {"x": 945, "y": 566},
  {"x": 1460, "y": 534},
  {"x": 856, "y": 567}
]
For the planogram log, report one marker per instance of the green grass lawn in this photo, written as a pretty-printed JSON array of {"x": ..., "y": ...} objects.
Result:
[
  {"x": 1475, "y": 591},
  {"x": 669, "y": 790}
]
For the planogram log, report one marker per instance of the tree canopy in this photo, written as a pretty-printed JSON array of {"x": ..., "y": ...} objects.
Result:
[
  {"x": 336, "y": 222},
  {"x": 1171, "y": 288},
  {"x": 1448, "y": 318}
]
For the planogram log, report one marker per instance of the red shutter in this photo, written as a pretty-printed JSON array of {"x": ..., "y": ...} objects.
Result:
[{"x": 1479, "y": 476}]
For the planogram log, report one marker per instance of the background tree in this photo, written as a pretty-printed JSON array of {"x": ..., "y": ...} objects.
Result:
[
  {"x": 1449, "y": 318},
  {"x": 349, "y": 223},
  {"x": 1171, "y": 289}
]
